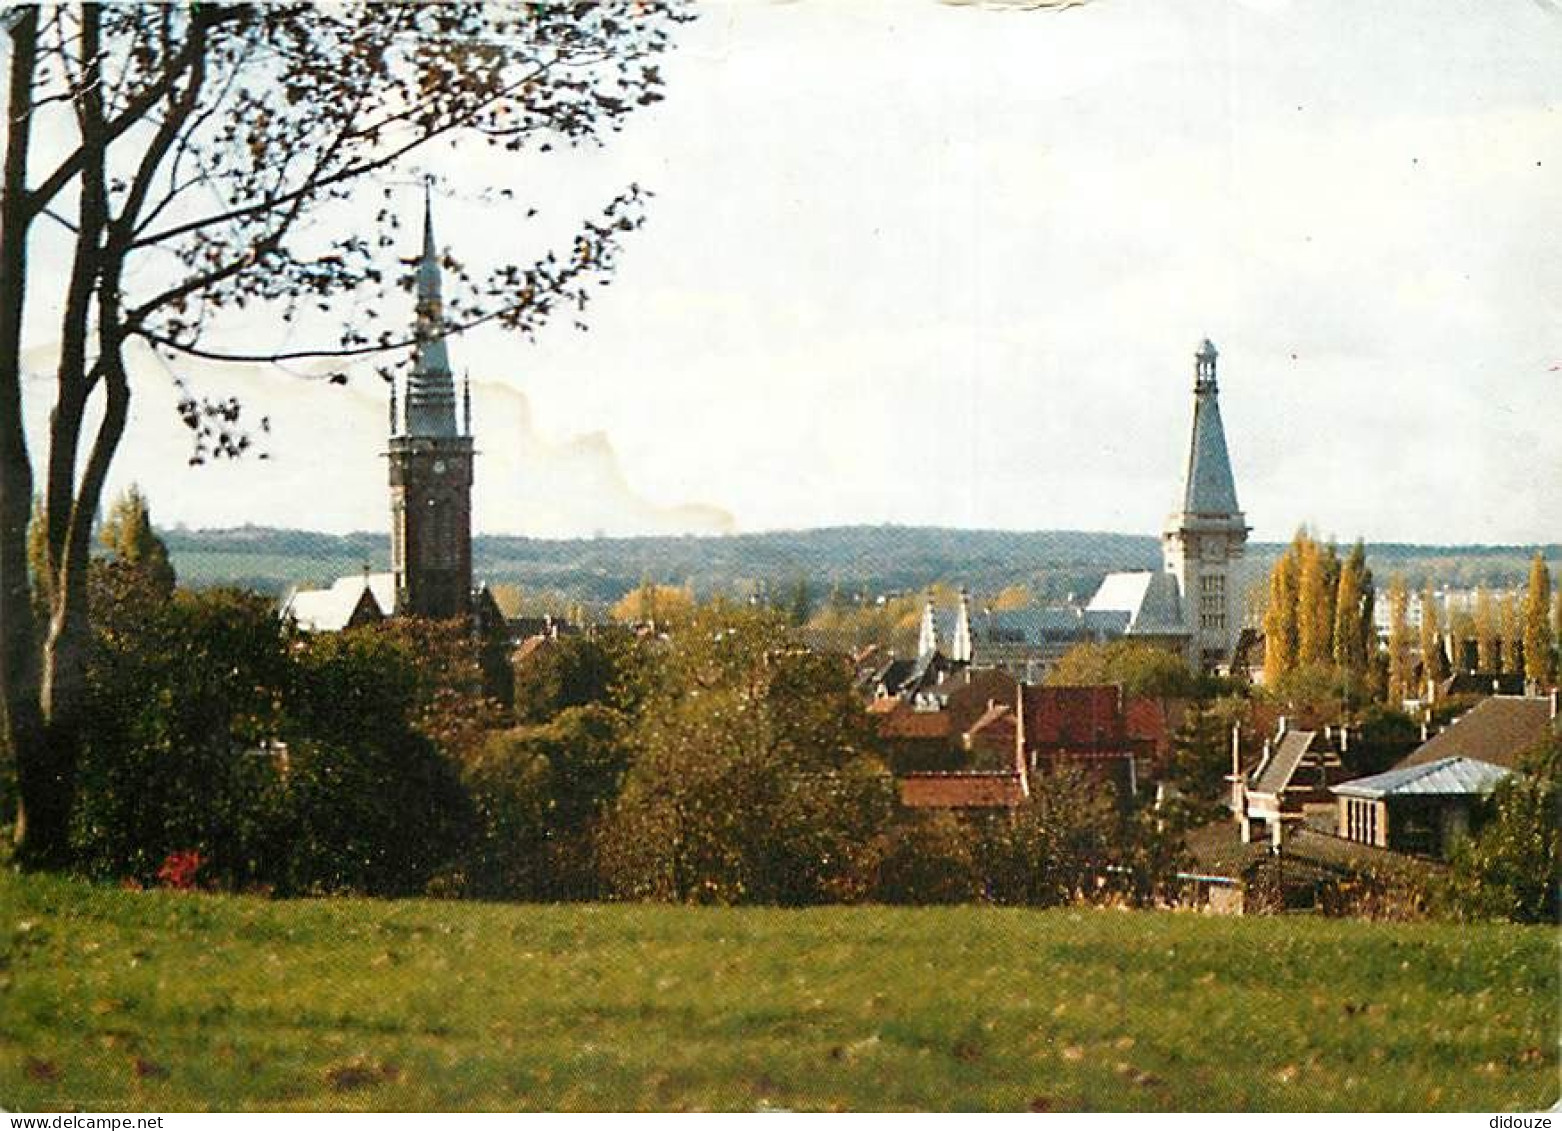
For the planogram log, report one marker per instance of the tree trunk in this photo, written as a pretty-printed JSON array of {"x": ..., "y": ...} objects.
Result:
[{"x": 43, "y": 780}]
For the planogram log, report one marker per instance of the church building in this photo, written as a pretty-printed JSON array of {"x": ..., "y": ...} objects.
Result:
[
  {"x": 431, "y": 457},
  {"x": 1194, "y": 603},
  {"x": 431, "y": 466}
]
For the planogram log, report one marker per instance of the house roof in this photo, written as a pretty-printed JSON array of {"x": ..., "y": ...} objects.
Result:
[
  {"x": 991, "y": 717},
  {"x": 1482, "y": 683},
  {"x": 1446, "y": 777},
  {"x": 1153, "y": 721},
  {"x": 968, "y": 692},
  {"x": 962, "y": 791},
  {"x": 906, "y": 722},
  {"x": 1496, "y": 730},
  {"x": 1276, "y": 771},
  {"x": 893, "y": 675},
  {"x": 1148, "y": 599},
  {"x": 349, "y": 600},
  {"x": 528, "y": 647},
  {"x": 1040, "y": 624},
  {"x": 1074, "y": 718}
]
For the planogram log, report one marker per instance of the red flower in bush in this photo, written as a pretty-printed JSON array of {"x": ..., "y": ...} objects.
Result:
[{"x": 180, "y": 869}]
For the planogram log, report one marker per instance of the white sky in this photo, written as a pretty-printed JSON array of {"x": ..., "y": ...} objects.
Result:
[{"x": 926, "y": 264}]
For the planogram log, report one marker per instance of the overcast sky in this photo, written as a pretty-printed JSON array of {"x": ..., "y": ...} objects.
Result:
[{"x": 930, "y": 264}]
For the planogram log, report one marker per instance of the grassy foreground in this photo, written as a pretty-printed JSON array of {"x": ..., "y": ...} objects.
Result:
[{"x": 166, "y": 1001}]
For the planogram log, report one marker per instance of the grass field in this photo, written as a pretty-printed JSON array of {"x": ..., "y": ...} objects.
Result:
[{"x": 122, "y": 1000}]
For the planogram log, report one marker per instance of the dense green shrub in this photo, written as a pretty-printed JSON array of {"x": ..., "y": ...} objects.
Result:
[
  {"x": 1512, "y": 867},
  {"x": 538, "y": 793},
  {"x": 181, "y": 704},
  {"x": 925, "y": 857},
  {"x": 753, "y": 778},
  {"x": 1052, "y": 849},
  {"x": 378, "y": 816}
]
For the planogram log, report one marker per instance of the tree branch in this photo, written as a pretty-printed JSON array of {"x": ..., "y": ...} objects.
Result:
[{"x": 135, "y": 109}]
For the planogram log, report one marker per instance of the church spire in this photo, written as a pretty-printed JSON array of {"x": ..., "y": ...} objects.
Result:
[
  {"x": 960, "y": 650},
  {"x": 1209, "y": 489},
  {"x": 927, "y": 639},
  {"x": 431, "y": 391}
]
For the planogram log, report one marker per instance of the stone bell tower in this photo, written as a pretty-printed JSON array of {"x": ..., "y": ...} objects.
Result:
[
  {"x": 431, "y": 466},
  {"x": 1202, "y": 542}
]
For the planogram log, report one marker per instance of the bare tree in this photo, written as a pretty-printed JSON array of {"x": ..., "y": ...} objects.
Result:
[{"x": 205, "y": 142}]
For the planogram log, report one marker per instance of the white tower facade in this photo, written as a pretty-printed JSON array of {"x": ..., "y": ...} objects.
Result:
[
  {"x": 927, "y": 638},
  {"x": 960, "y": 649},
  {"x": 1202, "y": 541}
]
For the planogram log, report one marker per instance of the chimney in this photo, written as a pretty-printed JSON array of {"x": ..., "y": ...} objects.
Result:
[
  {"x": 1280, "y": 733},
  {"x": 1019, "y": 733},
  {"x": 1424, "y": 731},
  {"x": 1344, "y": 738}
]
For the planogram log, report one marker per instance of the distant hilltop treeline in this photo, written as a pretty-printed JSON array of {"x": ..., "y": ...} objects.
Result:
[{"x": 866, "y": 560}]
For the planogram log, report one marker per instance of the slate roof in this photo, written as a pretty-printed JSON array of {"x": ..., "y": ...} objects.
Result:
[
  {"x": 431, "y": 392},
  {"x": 1210, "y": 489},
  {"x": 1482, "y": 683},
  {"x": 893, "y": 674},
  {"x": 1149, "y": 600},
  {"x": 343, "y": 604},
  {"x": 1446, "y": 777},
  {"x": 1040, "y": 624},
  {"x": 1496, "y": 731},
  {"x": 1278, "y": 769}
]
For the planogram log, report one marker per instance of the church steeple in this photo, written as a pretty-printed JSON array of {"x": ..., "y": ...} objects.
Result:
[
  {"x": 927, "y": 638},
  {"x": 960, "y": 649},
  {"x": 431, "y": 466},
  {"x": 431, "y": 390}
]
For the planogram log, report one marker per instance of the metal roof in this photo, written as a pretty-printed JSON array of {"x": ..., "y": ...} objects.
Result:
[{"x": 1447, "y": 777}]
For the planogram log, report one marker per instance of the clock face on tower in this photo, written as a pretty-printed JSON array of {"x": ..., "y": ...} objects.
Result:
[{"x": 439, "y": 467}]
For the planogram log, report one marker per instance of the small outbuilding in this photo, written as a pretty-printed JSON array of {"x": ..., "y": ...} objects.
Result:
[{"x": 1420, "y": 809}]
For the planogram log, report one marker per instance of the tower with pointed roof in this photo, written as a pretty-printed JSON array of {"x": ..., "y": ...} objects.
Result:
[
  {"x": 927, "y": 635},
  {"x": 1204, "y": 539},
  {"x": 431, "y": 466}
]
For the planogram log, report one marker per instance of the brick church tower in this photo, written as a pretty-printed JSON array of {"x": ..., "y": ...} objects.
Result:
[{"x": 431, "y": 467}]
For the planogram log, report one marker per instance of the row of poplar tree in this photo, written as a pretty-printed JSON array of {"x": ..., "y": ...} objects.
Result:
[{"x": 1321, "y": 616}]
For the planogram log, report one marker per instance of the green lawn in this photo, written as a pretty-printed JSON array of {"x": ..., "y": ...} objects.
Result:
[{"x": 122, "y": 1000}]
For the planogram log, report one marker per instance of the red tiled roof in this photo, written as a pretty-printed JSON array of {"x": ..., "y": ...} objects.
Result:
[
  {"x": 962, "y": 791},
  {"x": 527, "y": 648},
  {"x": 908, "y": 723},
  {"x": 1074, "y": 718},
  {"x": 1154, "y": 722},
  {"x": 991, "y": 717}
]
